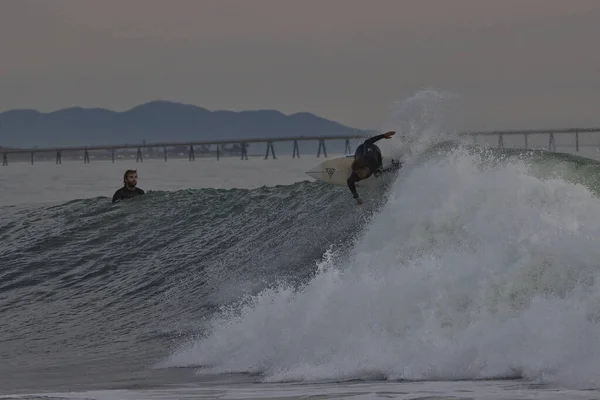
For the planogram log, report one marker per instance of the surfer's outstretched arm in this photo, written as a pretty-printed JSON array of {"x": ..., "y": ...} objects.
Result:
[{"x": 376, "y": 138}]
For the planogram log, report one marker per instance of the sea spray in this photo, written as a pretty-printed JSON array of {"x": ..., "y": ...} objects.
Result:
[{"x": 474, "y": 269}]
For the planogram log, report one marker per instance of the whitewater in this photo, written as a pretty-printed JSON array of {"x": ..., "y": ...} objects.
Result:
[{"x": 475, "y": 275}]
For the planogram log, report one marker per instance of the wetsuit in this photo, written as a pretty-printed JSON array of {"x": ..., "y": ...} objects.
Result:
[
  {"x": 125, "y": 193},
  {"x": 369, "y": 154}
]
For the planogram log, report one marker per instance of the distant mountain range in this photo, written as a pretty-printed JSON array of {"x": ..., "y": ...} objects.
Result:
[{"x": 153, "y": 122}]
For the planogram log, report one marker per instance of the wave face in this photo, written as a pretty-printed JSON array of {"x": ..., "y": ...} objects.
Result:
[
  {"x": 89, "y": 283},
  {"x": 474, "y": 263}
]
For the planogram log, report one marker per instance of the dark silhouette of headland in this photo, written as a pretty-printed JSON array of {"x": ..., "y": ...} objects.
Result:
[{"x": 156, "y": 121}]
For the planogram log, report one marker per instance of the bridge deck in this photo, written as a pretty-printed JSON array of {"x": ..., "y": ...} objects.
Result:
[
  {"x": 179, "y": 144},
  {"x": 276, "y": 139}
]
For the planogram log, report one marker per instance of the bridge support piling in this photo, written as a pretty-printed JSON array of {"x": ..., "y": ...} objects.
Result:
[
  {"x": 192, "y": 156},
  {"x": 32, "y": 153},
  {"x": 322, "y": 145},
  {"x": 270, "y": 146},
  {"x": 139, "y": 157},
  {"x": 86, "y": 157},
  {"x": 58, "y": 157},
  {"x": 551, "y": 144},
  {"x": 526, "y": 141},
  {"x": 296, "y": 151},
  {"x": 348, "y": 149},
  {"x": 165, "y": 151},
  {"x": 577, "y": 141},
  {"x": 113, "y": 155},
  {"x": 5, "y": 160},
  {"x": 218, "y": 152},
  {"x": 244, "y": 151},
  {"x": 500, "y": 141}
]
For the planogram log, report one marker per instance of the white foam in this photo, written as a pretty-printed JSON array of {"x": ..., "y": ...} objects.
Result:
[{"x": 470, "y": 271}]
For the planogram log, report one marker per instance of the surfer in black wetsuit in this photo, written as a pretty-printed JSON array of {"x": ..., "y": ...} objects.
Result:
[
  {"x": 129, "y": 188},
  {"x": 368, "y": 161}
]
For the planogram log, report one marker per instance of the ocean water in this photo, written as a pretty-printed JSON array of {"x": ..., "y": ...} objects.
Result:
[{"x": 473, "y": 275}]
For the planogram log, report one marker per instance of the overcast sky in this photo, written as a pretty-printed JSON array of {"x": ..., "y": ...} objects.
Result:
[{"x": 513, "y": 64}]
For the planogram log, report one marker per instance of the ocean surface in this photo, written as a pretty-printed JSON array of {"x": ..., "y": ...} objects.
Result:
[{"x": 475, "y": 274}]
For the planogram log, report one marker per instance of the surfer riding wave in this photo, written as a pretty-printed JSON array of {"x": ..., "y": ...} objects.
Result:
[{"x": 368, "y": 161}]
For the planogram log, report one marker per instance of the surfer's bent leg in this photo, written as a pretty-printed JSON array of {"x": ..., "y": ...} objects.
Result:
[
  {"x": 378, "y": 161},
  {"x": 352, "y": 184},
  {"x": 396, "y": 165}
]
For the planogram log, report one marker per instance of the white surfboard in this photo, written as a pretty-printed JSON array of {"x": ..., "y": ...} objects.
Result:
[{"x": 336, "y": 171}]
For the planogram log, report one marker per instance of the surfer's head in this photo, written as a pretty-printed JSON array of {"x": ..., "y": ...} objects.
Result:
[
  {"x": 130, "y": 178},
  {"x": 361, "y": 169}
]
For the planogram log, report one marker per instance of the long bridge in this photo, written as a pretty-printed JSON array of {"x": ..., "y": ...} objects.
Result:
[{"x": 244, "y": 143}]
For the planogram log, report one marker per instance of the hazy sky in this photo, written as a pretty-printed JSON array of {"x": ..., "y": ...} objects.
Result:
[{"x": 515, "y": 64}]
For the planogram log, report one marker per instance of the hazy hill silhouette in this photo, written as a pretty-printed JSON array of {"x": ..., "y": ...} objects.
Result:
[{"x": 155, "y": 121}]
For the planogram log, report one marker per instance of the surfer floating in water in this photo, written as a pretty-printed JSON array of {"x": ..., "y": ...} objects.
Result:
[
  {"x": 368, "y": 161},
  {"x": 129, "y": 188}
]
